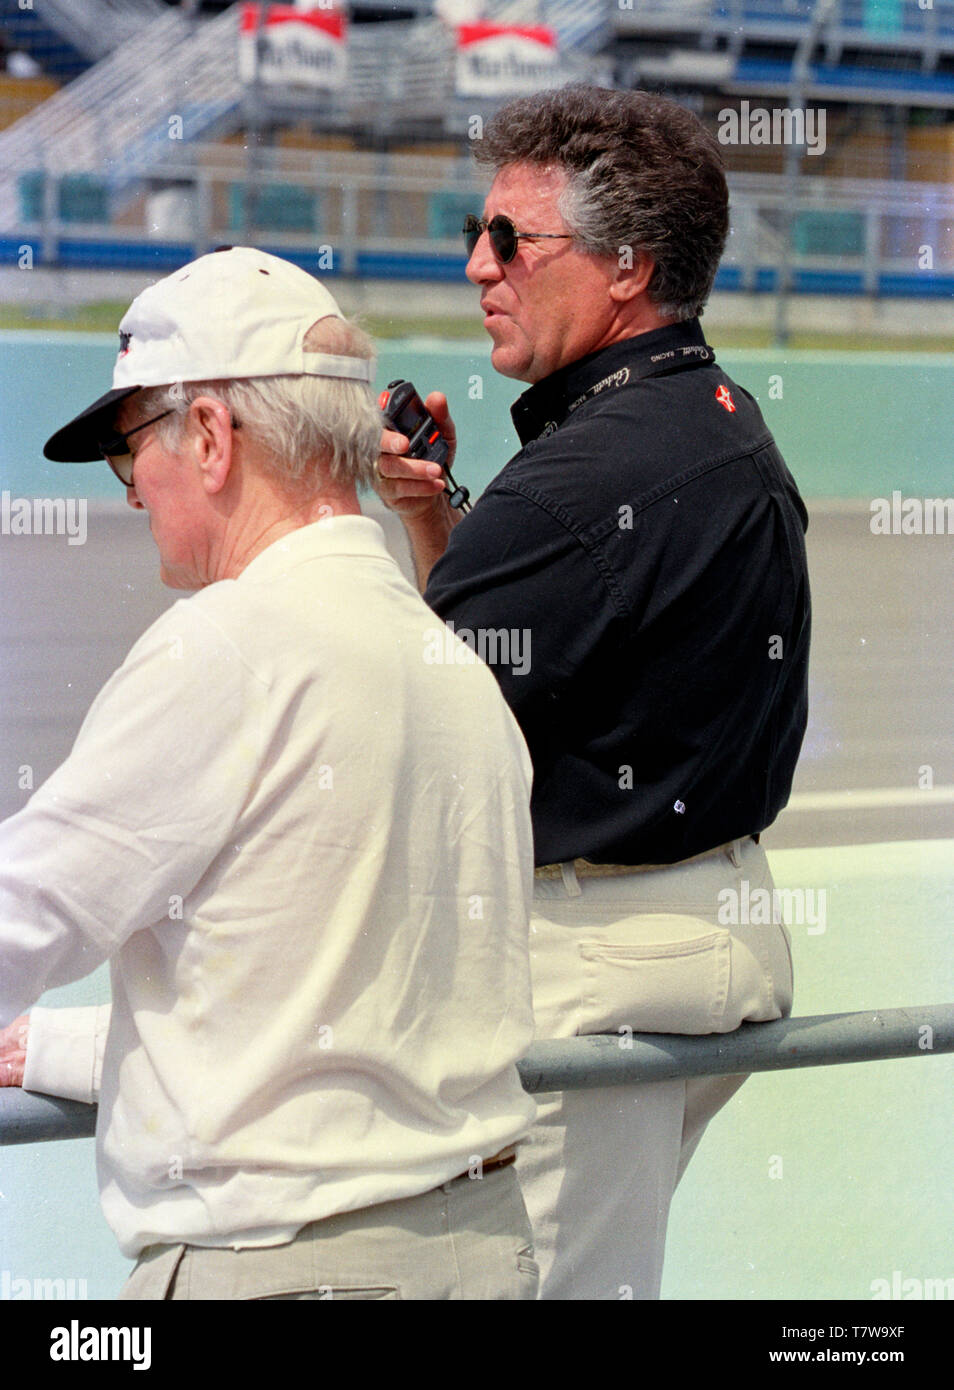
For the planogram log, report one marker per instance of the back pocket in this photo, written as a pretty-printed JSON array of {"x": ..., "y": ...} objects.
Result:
[{"x": 659, "y": 973}]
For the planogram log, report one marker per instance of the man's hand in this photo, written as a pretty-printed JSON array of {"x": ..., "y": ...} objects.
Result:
[
  {"x": 13, "y": 1043},
  {"x": 414, "y": 488}
]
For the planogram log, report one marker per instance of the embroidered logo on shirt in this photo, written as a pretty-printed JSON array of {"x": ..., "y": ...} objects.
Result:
[{"x": 724, "y": 398}]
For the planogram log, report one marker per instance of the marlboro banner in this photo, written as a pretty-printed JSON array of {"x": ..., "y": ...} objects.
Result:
[
  {"x": 303, "y": 48},
  {"x": 495, "y": 60}
]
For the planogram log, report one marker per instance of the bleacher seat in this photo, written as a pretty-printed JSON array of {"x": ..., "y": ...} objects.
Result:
[
  {"x": 832, "y": 233},
  {"x": 278, "y": 207},
  {"x": 446, "y": 213},
  {"x": 80, "y": 197}
]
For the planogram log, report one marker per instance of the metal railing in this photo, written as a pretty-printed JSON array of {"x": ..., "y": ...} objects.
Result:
[
  {"x": 626, "y": 1057},
  {"x": 357, "y": 205},
  {"x": 853, "y": 20},
  {"x": 892, "y": 228}
]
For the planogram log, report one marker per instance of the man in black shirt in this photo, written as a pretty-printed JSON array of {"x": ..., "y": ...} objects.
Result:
[{"x": 644, "y": 554}]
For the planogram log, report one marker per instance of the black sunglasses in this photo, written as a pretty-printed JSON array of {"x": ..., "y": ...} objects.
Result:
[
  {"x": 503, "y": 236},
  {"x": 116, "y": 452}
]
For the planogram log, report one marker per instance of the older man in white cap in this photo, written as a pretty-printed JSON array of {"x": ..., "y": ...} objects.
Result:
[{"x": 311, "y": 884}]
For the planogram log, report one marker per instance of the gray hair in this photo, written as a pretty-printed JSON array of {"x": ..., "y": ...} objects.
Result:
[
  {"x": 305, "y": 427},
  {"x": 643, "y": 174}
]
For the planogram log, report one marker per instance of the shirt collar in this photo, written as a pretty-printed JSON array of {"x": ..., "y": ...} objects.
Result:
[
  {"x": 340, "y": 535},
  {"x": 544, "y": 407}
]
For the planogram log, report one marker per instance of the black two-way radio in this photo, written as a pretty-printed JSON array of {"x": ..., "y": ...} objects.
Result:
[{"x": 405, "y": 411}]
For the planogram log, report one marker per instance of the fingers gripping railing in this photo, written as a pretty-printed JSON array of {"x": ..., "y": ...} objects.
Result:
[{"x": 615, "y": 1059}]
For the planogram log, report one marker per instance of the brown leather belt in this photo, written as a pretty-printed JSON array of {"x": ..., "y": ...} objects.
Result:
[{"x": 503, "y": 1159}]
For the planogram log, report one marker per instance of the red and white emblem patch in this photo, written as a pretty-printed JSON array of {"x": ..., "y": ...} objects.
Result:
[{"x": 723, "y": 396}]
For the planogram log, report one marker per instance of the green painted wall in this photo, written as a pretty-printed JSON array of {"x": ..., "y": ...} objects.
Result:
[{"x": 850, "y": 424}]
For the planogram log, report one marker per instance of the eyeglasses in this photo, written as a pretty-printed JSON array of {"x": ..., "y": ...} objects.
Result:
[
  {"x": 503, "y": 236},
  {"x": 116, "y": 452}
]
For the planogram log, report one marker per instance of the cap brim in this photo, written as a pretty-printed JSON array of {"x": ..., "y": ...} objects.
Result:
[{"x": 78, "y": 442}]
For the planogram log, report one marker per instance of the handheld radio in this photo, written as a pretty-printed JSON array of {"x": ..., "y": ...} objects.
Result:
[{"x": 405, "y": 411}]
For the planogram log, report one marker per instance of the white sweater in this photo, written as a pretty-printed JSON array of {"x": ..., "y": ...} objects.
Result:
[{"x": 306, "y": 848}]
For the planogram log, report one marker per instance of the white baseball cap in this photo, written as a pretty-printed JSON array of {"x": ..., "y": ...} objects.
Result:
[{"x": 234, "y": 313}]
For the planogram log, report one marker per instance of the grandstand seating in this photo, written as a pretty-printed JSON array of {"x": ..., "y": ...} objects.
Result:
[
  {"x": 20, "y": 95},
  {"x": 867, "y": 50},
  {"x": 79, "y": 175},
  {"x": 66, "y": 36},
  {"x": 113, "y": 120},
  {"x": 27, "y": 31}
]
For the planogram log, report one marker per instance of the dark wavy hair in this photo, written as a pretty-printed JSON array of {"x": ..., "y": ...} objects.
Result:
[{"x": 643, "y": 173}]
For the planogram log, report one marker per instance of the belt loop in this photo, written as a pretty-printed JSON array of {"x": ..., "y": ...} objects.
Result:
[
  {"x": 734, "y": 851},
  {"x": 570, "y": 881}
]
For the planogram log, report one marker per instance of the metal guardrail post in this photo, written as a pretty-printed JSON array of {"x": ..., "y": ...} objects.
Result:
[
  {"x": 872, "y": 249},
  {"x": 349, "y": 229},
  {"x": 204, "y": 213},
  {"x": 798, "y": 91},
  {"x": 50, "y": 237},
  {"x": 618, "y": 1059}
]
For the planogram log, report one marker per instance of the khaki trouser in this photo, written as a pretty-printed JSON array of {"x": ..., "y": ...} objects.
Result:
[
  {"x": 624, "y": 952},
  {"x": 468, "y": 1239}
]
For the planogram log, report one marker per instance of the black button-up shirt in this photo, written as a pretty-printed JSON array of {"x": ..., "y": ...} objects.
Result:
[{"x": 636, "y": 578}]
